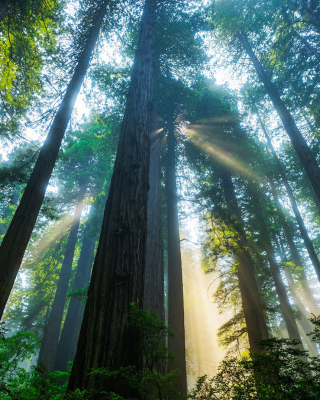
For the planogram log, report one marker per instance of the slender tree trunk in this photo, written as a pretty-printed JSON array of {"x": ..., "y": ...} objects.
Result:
[
  {"x": 50, "y": 339},
  {"x": 72, "y": 324},
  {"x": 305, "y": 324},
  {"x": 286, "y": 308},
  {"x": 304, "y": 233},
  {"x": 305, "y": 155},
  {"x": 175, "y": 285},
  {"x": 118, "y": 273},
  {"x": 154, "y": 271},
  {"x": 251, "y": 299},
  {"x": 17, "y": 237},
  {"x": 307, "y": 292}
]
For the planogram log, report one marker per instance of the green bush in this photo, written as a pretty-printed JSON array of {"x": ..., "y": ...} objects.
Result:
[{"x": 279, "y": 372}]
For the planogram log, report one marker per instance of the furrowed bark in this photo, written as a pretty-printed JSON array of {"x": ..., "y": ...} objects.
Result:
[
  {"x": 50, "y": 339},
  {"x": 15, "y": 242},
  {"x": 304, "y": 153},
  {"x": 175, "y": 285},
  {"x": 154, "y": 270},
  {"x": 251, "y": 299},
  {"x": 118, "y": 273}
]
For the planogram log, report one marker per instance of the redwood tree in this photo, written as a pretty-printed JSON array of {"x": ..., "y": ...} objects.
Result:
[
  {"x": 175, "y": 284},
  {"x": 106, "y": 340}
]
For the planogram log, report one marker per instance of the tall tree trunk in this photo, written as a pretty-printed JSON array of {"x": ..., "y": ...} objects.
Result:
[
  {"x": 306, "y": 326},
  {"x": 304, "y": 233},
  {"x": 154, "y": 270},
  {"x": 17, "y": 237},
  {"x": 305, "y": 155},
  {"x": 286, "y": 308},
  {"x": 72, "y": 324},
  {"x": 251, "y": 299},
  {"x": 50, "y": 339},
  {"x": 307, "y": 292},
  {"x": 117, "y": 279},
  {"x": 175, "y": 285}
]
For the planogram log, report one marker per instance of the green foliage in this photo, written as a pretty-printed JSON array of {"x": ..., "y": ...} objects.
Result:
[
  {"x": 14, "y": 350},
  {"x": 22, "y": 53},
  {"x": 278, "y": 372},
  {"x": 150, "y": 383},
  {"x": 80, "y": 294}
]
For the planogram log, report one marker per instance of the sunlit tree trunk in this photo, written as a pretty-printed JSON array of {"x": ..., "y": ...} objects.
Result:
[
  {"x": 304, "y": 233},
  {"x": 175, "y": 285},
  {"x": 154, "y": 272},
  {"x": 72, "y": 324},
  {"x": 118, "y": 273},
  {"x": 307, "y": 292},
  {"x": 251, "y": 299},
  {"x": 50, "y": 339},
  {"x": 17, "y": 237},
  {"x": 304, "y": 153}
]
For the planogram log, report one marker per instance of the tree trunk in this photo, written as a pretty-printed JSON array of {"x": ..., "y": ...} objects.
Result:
[
  {"x": 175, "y": 285},
  {"x": 154, "y": 270},
  {"x": 307, "y": 292},
  {"x": 251, "y": 299},
  {"x": 307, "y": 241},
  {"x": 72, "y": 324},
  {"x": 305, "y": 324},
  {"x": 50, "y": 339},
  {"x": 287, "y": 312},
  {"x": 305, "y": 155},
  {"x": 117, "y": 279},
  {"x": 17, "y": 237},
  {"x": 304, "y": 321}
]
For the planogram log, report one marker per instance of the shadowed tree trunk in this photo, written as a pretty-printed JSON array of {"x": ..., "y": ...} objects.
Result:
[
  {"x": 72, "y": 324},
  {"x": 50, "y": 339},
  {"x": 251, "y": 299},
  {"x": 265, "y": 240},
  {"x": 17, "y": 237},
  {"x": 304, "y": 233},
  {"x": 154, "y": 272},
  {"x": 175, "y": 285},
  {"x": 117, "y": 279},
  {"x": 305, "y": 155}
]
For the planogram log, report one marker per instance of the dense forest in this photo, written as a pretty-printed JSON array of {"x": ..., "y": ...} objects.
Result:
[{"x": 160, "y": 199}]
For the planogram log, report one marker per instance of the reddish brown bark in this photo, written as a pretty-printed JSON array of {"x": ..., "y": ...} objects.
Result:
[
  {"x": 118, "y": 273},
  {"x": 154, "y": 271},
  {"x": 175, "y": 285}
]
